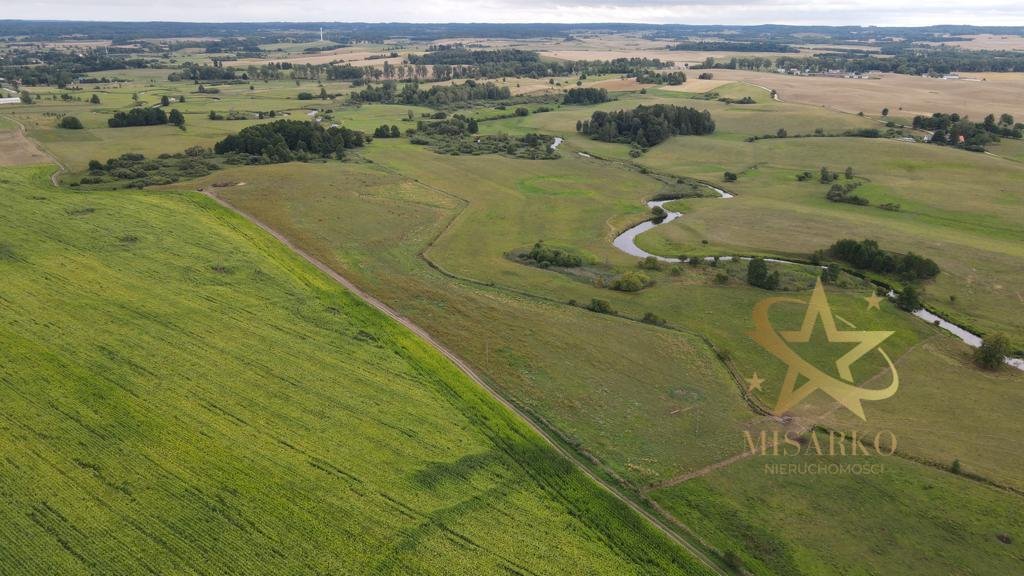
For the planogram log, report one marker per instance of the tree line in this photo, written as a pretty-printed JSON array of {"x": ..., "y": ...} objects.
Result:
[
  {"x": 436, "y": 96},
  {"x": 716, "y": 46}
]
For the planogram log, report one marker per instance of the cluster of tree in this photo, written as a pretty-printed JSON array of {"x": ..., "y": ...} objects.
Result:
[
  {"x": 867, "y": 255},
  {"x": 61, "y": 68},
  {"x": 670, "y": 78},
  {"x": 456, "y": 136},
  {"x": 544, "y": 256},
  {"x": 647, "y": 125},
  {"x": 136, "y": 171},
  {"x": 457, "y": 61},
  {"x": 456, "y": 125},
  {"x": 705, "y": 76},
  {"x": 460, "y": 62},
  {"x": 138, "y": 117},
  {"x": 204, "y": 72},
  {"x": 844, "y": 193},
  {"x": 287, "y": 140},
  {"x": 585, "y": 96},
  {"x": 744, "y": 100},
  {"x": 758, "y": 275},
  {"x": 435, "y": 96},
  {"x": 384, "y": 131},
  {"x": 905, "y": 58},
  {"x": 725, "y": 46},
  {"x": 955, "y": 130},
  {"x": 826, "y": 176}
]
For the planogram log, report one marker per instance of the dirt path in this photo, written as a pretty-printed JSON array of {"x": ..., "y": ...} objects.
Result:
[
  {"x": 36, "y": 154},
  {"x": 466, "y": 369}
]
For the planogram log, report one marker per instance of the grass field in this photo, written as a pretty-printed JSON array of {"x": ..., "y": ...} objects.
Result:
[
  {"x": 594, "y": 391},
  {"x": 185, "y": 395}
]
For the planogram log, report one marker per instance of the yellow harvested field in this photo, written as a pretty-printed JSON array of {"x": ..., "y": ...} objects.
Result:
[
  {"x": 355, "y": 58},
  {"x": 696, "y": 85},
  {"x": 17, "y": 150},
  {"x": 679, "y": 57},
  {"x": 990, "y": 42},
  {"x": 903, "y": 95},
  {"x": 621, "y": 85}
]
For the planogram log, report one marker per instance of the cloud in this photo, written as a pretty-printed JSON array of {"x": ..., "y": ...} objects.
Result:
[{"x": 864, "y": 12}]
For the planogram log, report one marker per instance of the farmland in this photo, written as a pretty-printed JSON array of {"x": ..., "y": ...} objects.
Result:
[
  {"x": 190, "y": 395},
  {"x": 143, "y": 408}
]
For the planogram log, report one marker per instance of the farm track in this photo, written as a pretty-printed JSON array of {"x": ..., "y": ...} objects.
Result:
[
  {"x": 55, "y": 177},
  {"x": 468, "y": 371}
]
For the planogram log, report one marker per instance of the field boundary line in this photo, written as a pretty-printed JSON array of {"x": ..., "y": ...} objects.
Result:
[{"x": 700, "y": 555}]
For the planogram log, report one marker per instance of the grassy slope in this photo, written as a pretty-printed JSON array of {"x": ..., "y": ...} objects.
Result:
[
  {"x": 596, "y": 379},
  {"x": 182, "y": 394},
  {"x": 907, "y": 520},
  {"x": 370, "y": 225}
]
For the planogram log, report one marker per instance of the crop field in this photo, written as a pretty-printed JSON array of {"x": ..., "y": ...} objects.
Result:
[
  {"x": 160, "y": 419},
  {"x": 192, "y": 395},
  {"x": 904, "y": 96}
]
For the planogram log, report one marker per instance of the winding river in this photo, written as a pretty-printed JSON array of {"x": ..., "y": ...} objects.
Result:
[{"x": 626, "y": 242}]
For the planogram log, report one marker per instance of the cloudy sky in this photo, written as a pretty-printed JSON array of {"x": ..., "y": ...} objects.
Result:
[{"x": 877, "y": 12}]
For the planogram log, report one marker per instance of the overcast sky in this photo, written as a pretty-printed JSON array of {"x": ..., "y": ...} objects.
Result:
[{"x": 876, "y": 12}]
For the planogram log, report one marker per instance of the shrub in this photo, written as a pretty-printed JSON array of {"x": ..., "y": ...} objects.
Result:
[
  {"x": 910, "y": 298},
  {"x": 729, "y": 176},
  {"x": 653, "y": 319},
  {"x": 631, "y": 281},
  {"x": 601, "y": 306},
  {"x": 70, "y": 123},
  {"x": 554, "y": 256},
  {"x": 758, "y": 275},
  {"x": 650, "y": 263},
  {"x": 993, "y": 349}
]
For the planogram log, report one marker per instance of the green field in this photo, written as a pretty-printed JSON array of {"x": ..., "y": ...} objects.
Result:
[
  {"x": 184, "y": 395},
  {"x": 653, "y": 410}
]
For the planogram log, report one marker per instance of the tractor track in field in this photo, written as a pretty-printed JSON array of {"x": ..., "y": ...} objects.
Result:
[{"x": 466, "y": 369}]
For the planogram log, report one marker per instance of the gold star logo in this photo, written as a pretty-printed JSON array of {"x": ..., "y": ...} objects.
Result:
[
  {"x": 842, "y": 390},
  {"x": 755, "y": 382},
  {"x": 873, "y": 301}
]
